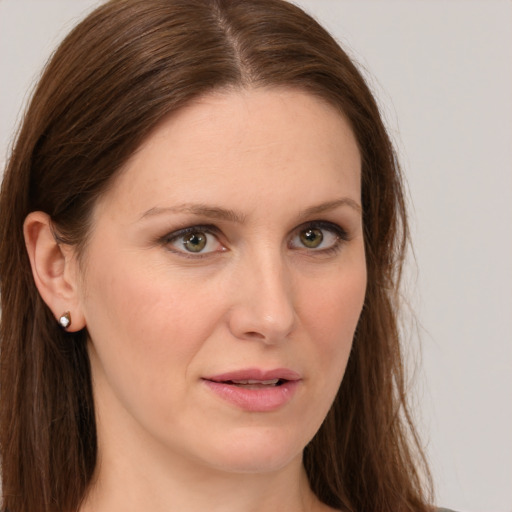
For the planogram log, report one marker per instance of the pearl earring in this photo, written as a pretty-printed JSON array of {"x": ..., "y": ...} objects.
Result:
[{"x": 65, "y": 320}]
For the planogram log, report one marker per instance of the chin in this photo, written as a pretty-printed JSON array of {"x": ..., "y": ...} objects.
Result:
[{"x": 258, "y": 452}]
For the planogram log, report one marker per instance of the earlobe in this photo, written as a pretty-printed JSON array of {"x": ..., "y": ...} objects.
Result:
[{"x": 54, "y": 270}]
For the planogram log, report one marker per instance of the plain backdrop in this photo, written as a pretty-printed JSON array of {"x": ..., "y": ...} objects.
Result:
[{"x": 442, "y": 71}]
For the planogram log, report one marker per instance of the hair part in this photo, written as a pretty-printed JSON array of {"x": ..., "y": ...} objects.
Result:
[{"x": 122, "y": 70}]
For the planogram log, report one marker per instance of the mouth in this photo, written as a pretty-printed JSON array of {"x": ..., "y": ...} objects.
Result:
[
  {"x": 255, "y": 390},
  {"x": 254, "y": 384},
  {"x": 256, "y": 377}
]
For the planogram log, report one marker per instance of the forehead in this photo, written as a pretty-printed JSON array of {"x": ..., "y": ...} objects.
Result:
[{"x": 259, "y": 142}]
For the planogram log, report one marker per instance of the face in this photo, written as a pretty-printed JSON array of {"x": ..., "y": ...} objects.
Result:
[{"x": 224, "y": 279}]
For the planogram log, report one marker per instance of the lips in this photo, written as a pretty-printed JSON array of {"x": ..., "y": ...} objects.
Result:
[
  {"x": 255, "y": 374},
  {"x": 255, "y": 390}
]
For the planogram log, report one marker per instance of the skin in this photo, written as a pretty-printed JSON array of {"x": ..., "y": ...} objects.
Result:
[{"x": 161, "y": 318}]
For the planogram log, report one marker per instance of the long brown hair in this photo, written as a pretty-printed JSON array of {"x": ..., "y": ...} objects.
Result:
[{"x": 116, "y": 75}]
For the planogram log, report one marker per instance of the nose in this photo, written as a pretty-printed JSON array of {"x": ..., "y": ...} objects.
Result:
[{"x": 263, "y": 301}]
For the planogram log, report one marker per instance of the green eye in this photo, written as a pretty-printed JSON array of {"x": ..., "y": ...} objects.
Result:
[
  {"x": 311, "y": 237},
  {"x": 194, "y": 242}
]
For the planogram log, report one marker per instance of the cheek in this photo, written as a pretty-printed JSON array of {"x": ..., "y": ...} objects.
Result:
[
  {"x": 143, "y": 319},
  {"x": 331, "y": 313},
  {"x": 333, "y": 307}
]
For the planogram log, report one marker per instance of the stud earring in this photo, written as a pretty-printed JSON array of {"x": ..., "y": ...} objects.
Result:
[{"x": 65, "y": 320}]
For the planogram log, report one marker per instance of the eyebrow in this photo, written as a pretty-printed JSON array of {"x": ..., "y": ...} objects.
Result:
[
  {"x": 331, "y": 205},
  {"x": 218, "y": 213},
  {"x": 205, "y": 210}
]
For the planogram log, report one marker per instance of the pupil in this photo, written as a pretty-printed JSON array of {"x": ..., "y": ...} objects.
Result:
[
  {"x": 195, "y": 242},
  {"x": 312, "y": 237}
]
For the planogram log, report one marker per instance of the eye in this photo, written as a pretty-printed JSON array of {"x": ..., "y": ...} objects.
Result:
[
  {"x": 196, "y": 240},
  {"x": 319, "y": 236},
  {"x": 311, "y": 237}
]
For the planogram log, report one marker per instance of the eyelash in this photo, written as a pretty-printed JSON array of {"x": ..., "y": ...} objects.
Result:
[
  {"x": 340, "y": 234},
  {"x": 181, "y": 233}
]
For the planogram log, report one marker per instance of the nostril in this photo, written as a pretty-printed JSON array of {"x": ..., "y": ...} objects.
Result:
[{"x": 254, "y": 334}]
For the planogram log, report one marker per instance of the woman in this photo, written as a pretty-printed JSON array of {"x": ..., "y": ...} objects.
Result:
[{"x": 202, "y": 238}]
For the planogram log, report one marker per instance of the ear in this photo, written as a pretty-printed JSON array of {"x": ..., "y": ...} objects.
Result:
[{"x": 54, "y": 268}]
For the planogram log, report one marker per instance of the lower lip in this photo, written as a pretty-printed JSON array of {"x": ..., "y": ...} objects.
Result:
[{"x": 256, "y": 399}]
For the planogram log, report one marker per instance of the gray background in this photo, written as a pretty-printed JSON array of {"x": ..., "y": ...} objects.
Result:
[{"x": 442, "y": 71}]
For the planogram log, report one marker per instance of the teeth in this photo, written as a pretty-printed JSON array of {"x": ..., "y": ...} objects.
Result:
[{"x": 260, "y": 382}]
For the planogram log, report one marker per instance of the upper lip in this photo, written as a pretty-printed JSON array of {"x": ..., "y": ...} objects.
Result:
[{"x": 255, "y": 374}]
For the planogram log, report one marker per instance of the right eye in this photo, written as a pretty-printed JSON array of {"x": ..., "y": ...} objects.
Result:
[{"x": 192, "y": 241}]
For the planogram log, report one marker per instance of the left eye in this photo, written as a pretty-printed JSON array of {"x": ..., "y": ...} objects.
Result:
[
  {"x": 194, "y": 241},
  {"x": 317, "y": 237}
]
